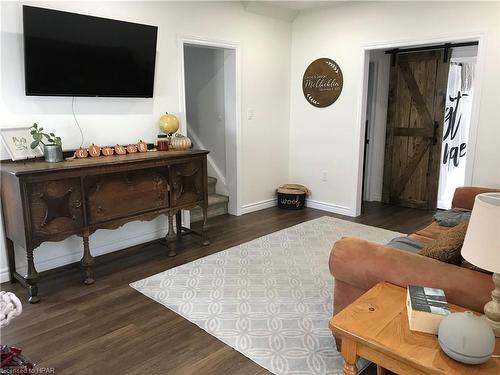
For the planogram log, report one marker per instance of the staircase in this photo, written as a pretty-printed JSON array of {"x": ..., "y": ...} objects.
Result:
[{"x": 217, "y": 203}]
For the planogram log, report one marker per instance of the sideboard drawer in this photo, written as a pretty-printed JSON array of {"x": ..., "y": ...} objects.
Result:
[
  {"x": 119, "y": 195},
  {"x": 187, "y": 182},
  {"x": 55, "y": 207}
]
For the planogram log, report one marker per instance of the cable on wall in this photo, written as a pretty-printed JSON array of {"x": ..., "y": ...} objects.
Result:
[{"x": 76, "y": 120}]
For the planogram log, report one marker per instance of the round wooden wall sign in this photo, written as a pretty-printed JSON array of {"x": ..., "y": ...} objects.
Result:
[{"x": 322, "y": 82}]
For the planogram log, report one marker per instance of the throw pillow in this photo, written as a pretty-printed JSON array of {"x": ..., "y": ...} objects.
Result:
[{"x": 446, "y": 247}]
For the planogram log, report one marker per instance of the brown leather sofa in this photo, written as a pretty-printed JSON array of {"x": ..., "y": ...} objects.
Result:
[{"x": 357, "y": 265}]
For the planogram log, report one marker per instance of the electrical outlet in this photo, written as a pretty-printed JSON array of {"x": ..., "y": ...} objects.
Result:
[
  {"x": 250, "y": 114},
  {"x": 324, "y": 176}
]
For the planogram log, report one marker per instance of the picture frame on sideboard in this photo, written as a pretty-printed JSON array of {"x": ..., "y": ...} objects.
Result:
[{"x": 17, "y": 142}]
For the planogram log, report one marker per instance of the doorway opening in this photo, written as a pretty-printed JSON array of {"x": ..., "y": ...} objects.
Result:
[
  {"x": 419, "y": 106},
  {"x": 210, "y": 108}
]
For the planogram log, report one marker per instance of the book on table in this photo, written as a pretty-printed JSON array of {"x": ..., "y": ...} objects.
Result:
[{"x": 426, "y": 308}]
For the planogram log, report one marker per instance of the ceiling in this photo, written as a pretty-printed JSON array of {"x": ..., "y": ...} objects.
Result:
[
  {"x": 285, "y": 10},
  {"x": 299, "y": 5}
]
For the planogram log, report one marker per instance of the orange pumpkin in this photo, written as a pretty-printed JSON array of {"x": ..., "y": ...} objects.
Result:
[
  {"x": 81, "y": 153},
  {"x": 131, "y": 149},
  {"x": 94, "y": 150},
  {"x": 120, "y": 150},
  {"x": 142, "y": 146},
  {"x": 108, "y": 151}
]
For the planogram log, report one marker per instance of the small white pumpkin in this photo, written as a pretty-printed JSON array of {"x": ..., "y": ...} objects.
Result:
[{"x": 181, "y": 142}]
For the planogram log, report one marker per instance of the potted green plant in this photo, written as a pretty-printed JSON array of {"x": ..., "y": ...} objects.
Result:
[{"x": 52, "y": 147}]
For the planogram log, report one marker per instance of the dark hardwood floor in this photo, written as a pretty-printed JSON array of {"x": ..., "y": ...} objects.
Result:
[{"x": 109, "y": 328}]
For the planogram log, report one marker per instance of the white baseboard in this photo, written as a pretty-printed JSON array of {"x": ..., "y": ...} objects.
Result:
[
  {"x": 330, "y": 207},
  {"x": 256, "y": 206},
  {"x": 4, "y": 274},
  {"x": 75, "y": 256}
]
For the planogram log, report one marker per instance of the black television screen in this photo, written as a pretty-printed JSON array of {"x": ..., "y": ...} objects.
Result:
[{"x": 68, "y": 54}]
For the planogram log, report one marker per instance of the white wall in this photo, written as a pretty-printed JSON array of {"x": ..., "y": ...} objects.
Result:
[
  {"x": 265, "y": 71},
  {"x": 205, "y": 103},
  {"x": 329, "y": 138}
]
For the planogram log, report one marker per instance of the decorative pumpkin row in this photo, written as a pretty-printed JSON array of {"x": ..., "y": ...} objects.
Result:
[{"x": 96, "y": 151}]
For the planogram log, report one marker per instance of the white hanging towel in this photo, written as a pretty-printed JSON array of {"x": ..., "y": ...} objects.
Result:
[{"x": 455, "y": 131}]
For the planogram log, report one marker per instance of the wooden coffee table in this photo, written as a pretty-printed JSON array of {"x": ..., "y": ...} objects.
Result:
[{"x": 375, "y": 327}]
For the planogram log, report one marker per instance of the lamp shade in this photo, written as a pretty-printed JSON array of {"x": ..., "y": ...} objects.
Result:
[{"x": 482, "y": 241}]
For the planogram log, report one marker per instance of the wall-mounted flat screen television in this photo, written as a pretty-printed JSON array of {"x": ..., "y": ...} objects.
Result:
[{"x": 68, "y": 54}]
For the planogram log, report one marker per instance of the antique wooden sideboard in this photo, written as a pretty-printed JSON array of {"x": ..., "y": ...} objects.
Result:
[{"x": 51, "y": 201}]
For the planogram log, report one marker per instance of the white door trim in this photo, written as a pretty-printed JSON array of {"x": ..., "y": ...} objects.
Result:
[
  {"x": 371, "y": 104},
  {"x": 235, "y": 192},
  {"x": 363, "y": 93}
]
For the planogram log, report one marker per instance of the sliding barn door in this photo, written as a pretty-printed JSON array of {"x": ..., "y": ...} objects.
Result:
[{"x": 417, "y": 95}]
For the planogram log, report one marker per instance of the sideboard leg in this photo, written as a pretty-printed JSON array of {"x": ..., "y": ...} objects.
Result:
[
  {"x": 11, "y": 259},
  {"x": 178, "y": 224},
  {"x": 171, "y": 236},
  {"x": 204, "y": 226},
  {"x": 32, "y": 278},
  {"x": 87, "y": 261}
]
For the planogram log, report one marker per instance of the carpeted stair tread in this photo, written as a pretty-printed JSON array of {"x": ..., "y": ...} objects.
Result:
[
  {"x": 217, "y": 205},
  {"x": 212, "y": 181},
  {"x": 214, "y": 199}
]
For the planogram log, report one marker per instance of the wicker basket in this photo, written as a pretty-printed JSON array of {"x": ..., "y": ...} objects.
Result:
[{"x": 291, "y": 199}]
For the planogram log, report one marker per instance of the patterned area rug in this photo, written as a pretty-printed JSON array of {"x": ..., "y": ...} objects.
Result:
[{"x": 270, "y": 298}]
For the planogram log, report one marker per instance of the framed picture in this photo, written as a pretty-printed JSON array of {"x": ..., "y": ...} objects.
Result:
[{"x": 17, "y": 142}]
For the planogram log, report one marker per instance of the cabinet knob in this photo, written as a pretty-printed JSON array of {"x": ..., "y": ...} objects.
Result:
[
  {"x": 78, "y": 203},
  {"x": 99, "y": 209}
]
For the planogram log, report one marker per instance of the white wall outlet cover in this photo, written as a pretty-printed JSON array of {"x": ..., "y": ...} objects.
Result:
[
  {"x": 324, "y": 176},
  {"x": 250, "y": 114}
]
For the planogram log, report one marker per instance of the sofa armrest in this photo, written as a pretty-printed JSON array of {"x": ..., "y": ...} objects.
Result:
[
  {"x": 464, "y": 196},
  {"x": 363, "y": 264}
]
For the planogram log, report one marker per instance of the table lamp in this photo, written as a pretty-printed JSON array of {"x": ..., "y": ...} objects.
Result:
[{"x": 482, "y": 248}]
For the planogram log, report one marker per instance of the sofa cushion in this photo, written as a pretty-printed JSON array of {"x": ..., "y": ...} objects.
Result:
[
  {"x": 450, "y": 218},
  {"x": 423, "y": 240},
  {"x": 431, "y": 232},
  {"x": 446, "y": 247},
  {"x": 406, "y": 243}
]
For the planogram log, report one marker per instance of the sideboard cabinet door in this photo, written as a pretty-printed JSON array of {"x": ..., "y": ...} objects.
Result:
[
  {"x": 55, "y": 207},
  {"x": 187, "y": 182},
  {"x": 119, "y": 195}
]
